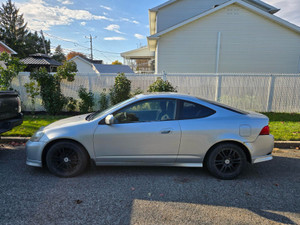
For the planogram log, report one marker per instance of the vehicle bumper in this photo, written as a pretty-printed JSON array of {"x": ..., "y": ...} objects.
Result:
[
  {"x": 7, "y": 125},
  {"x": 261, "y": 149},
  {"x": 34, "y": 152}
]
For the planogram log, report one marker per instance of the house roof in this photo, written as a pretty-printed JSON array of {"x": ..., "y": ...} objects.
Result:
[
  {"x": 103, "y": 68},
  {"x": 139, "y": 53},
  {"x": 258, "y": 3},
  {"x": 153, "y": 38},
  {"x": 8, "y": 48},
  {"x": 41, "y": 60}
]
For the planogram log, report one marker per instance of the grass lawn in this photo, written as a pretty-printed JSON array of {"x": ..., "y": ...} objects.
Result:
[{"x": 284, "y": 126}]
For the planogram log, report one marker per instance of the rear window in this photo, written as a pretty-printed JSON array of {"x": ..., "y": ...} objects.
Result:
[
  {"x": 191, "y": 110},
  {"x": 225, "y": 106}
]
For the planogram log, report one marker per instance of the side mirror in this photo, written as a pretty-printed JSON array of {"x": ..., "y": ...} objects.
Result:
[{"x": 110, "y": 119}]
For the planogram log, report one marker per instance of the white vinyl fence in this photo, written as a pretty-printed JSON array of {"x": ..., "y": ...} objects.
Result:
[{"x": 257, "y": 92}]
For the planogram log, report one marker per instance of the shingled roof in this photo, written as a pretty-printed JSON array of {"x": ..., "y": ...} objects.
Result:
[{"x": 41, "y": 60}]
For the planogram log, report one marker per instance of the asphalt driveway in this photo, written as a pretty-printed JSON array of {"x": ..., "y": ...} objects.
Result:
[{"x": 265, "y": 193}]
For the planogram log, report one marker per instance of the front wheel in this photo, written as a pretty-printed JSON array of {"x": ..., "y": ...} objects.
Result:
[
  {"x": 66, "y": 159},
  {"x": 226, "y": 161}
]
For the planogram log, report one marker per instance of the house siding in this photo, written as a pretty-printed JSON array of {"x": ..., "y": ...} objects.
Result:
[
  {"x": 250, "y": 43},
  {"x": 83, "y": 67},
  {"x": 182, "y": 10}
]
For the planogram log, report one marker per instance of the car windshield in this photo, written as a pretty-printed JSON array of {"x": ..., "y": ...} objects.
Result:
[{"x": 98, "y": 114}]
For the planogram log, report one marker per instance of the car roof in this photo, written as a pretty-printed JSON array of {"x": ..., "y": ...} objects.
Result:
[{"x": 166, "y": 95}]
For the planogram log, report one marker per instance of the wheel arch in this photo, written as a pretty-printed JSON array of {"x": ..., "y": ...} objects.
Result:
[
  {"x": 242, "y": 146},
  {"x": 51, "y": 143}
]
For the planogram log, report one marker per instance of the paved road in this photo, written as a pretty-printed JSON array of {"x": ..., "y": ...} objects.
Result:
[{"x": 266, "y": 193}]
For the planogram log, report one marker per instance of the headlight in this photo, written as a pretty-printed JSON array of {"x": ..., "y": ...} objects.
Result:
[{"x": 37, "y": 136}]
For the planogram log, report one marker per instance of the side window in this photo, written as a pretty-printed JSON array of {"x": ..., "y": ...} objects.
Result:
[
  {"x": 190, "y": 110},
  {"x": 147, "y": 110}
]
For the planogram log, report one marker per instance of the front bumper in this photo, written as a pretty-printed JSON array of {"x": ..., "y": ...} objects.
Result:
[{"x": 34, "y": 152}]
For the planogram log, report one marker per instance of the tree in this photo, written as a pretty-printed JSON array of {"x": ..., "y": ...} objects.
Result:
[
  {"x": 161, "y": 86},
  {"x": 14, "y": 33},
  {"x": 121, "y": 90},
  {"x": 13, "y": 67},
  {"x": 59, "y": 55},
  {"x": 116, "y": 63},
  {"x": 73, "y": 54},
  {"x": 12, "y": 27}
]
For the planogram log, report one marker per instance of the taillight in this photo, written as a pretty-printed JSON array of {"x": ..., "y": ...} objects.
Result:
[{"x": 265, "y": 131}]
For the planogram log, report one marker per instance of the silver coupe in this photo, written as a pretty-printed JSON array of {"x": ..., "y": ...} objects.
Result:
[{"x": 155, "y": 130}]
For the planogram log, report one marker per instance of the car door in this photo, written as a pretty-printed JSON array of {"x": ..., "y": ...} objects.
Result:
[{"x": 145, "y": 131}]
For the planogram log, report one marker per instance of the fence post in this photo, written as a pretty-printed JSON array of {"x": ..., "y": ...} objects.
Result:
[
  {"x": 270, "y": 93},
  {"x": 90, "y": 83},
  {"x": 218, "y": 87},
  {"x": 164, "y": 76}
]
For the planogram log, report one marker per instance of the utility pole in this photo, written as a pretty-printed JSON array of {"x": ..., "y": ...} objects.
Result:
[
  {"x": 91, "y": 43},
  {"x": 44, "y": 42}
]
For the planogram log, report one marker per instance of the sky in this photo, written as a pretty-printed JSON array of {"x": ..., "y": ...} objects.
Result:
[{"x": 115, "y": 25}]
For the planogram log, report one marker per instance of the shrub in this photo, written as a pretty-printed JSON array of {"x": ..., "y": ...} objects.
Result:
[
  {"x": 52, "y": 98},
  {"x": 87, "y": 100},
  {"x": 121, "y": 89},
  {"x": 161, "y": 86},
  {"x": 103, "y": 101},
  {"x": 32, "y": 90},
  {"x": 137, "y": 92},
  {"x": 72, "y": 104}
]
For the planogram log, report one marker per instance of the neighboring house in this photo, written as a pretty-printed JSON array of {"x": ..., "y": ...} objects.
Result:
[
  {"x": 5, "y": 48},
  {"x": 221, "y": 36},
  {"x": 141, "y": 60},
  {"x": 95, "y": 66},
  {"x": 38, "y": 60}
]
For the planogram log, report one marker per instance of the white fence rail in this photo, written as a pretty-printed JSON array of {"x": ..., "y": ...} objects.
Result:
[{"x": 257, "y": 92}]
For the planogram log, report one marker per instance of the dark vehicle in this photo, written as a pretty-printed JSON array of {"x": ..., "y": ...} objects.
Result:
[{"x": 10, "y": 111}]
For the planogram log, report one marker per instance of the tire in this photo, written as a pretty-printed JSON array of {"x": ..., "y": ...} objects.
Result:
[
  {"x": 226, "y": 161},
  {"x": 66, "y": 159}
]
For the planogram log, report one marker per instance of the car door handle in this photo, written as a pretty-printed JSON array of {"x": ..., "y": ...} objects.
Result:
[{"x": 165, "y": 131}]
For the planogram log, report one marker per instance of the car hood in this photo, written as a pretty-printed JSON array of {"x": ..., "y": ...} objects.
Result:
[{"x": 71, "y": 121}]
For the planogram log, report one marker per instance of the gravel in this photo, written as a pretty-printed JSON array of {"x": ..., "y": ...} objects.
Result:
[{"x": 265, "y": 193}]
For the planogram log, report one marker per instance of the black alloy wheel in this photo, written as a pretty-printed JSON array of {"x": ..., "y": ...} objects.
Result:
[
  {"x": 66, "y": 159},
  {"x": 226, "y": 161}
]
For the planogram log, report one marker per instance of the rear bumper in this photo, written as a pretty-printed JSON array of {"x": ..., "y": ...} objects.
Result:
[
  {"x": 261, "y": 149},
  {"x": 9, "y": 124}
]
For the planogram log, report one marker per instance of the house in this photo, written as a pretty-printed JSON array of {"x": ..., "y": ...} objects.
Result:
[
  {"x": 141, "y": 60},
  {"x": 38, "y": 60},
  {"x": 221, "y": 36},
  {"x": 85, "y": 65},
  {"x": 5, "y": 48}
]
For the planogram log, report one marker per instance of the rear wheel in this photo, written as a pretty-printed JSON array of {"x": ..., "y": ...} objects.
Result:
[
  {"x": 66, "y": 159},
  {"x": 226, "y": 161}
]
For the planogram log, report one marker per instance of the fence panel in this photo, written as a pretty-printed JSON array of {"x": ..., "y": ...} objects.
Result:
[{"x": 257, "y": 92}]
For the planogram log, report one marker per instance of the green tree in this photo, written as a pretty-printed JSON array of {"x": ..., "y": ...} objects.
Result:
[
  {"x": 161, "y": 86},
  {"x": 50, "y": 89},
  {"x": 59, "y": 55},
  {"x": 14, "y": 32},
  {"x": 121, "y": 89},
  {"x": 11, "y": 70}
]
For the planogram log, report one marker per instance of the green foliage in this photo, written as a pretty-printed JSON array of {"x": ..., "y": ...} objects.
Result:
[
  {"x": 32, "y": 90},
  {"x": 161, "y": 86},
  {"x": 59, "y": 55},
  {"x": 14, "y": 32},
  {"x": 13, "y": 67},
  {"x": 52, "y": 98},
  {"x": 72, "y": 104},
  {"x": 87, "y": 100},
  {"x": 103, "y": 101},
  {"x": 137, "y": 91},
  {"x": 121, "y": 90}
]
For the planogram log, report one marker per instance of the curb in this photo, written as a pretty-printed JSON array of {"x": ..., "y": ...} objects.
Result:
[{"x": 277, "y": 144}]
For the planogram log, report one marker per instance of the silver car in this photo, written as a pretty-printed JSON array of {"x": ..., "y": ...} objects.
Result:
[{"x": 155, "y": 130}]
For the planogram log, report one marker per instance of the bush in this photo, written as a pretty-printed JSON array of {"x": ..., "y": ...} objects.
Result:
[
  {"x": 32, "y": 90},
  {"x": 52, "y": 98},
  {"x": 72, "y": 104},
  {"x": 121, "y": 90},
  {"x": 87, "y": 100},
  {"x": 103, "y": 101},
  {"x": 161, "y": 86}
]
